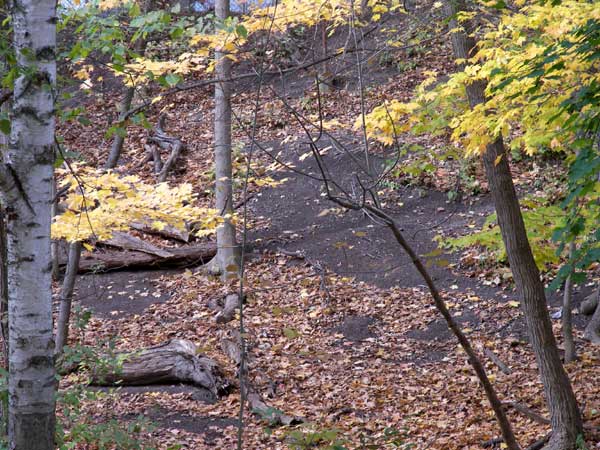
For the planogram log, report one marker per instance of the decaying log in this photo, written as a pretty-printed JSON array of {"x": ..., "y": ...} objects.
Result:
[
  {"x": 105, "y": 260},
  {"x": 177, "y": 147},
  {"x": 161, "y": 139},
  {"x": 168, "y": 231},
  {"x": 591, "y": 305},
  {"x": 128, "y": 242},
  {"x": 227, "y": 314},
  {"x": 175, "y": 361},
  {"x": 232, "y": 348}
]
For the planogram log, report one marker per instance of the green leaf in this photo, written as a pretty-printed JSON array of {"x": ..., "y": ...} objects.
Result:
[
  {"x": 290, "y": 333},
  {"x": 241, "y": 31},
  {"x": 5, "y": 126},
  {"x": 172, "y": 79}
]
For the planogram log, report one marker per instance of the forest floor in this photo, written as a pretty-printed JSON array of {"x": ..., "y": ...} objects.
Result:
[{"x": 344, "y": 336}]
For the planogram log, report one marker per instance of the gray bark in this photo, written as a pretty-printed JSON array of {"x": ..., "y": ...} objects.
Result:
[
  {"x": 562, "y": 404},
  {"x": 126, "y": 241},
  {"x": 66, "y": 296},
  {"x": 124, "y": 107},
  {"x": 591, "y": 306},
  {"x": 3, "y": 288},
  {"x": 105, "y": 260},
  {"x": 117, "y": 143},
  {"x": 175, "y": 361},
  {"x": 227, "y": 314},
  {"x": 26, "y": 175},
  {"x": 227, "y": 261}
]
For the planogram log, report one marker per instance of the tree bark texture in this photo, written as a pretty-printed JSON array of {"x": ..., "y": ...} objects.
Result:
[
  {"x": 562, "y": 404},
  {"x": 591, "y": 306},
  {"x": 26, "y": 176},
  {"x": 175, "y": 361},
  {"x": 228, "y": 254},
  {"x": 104, "y": 260},
  {"x": 66, "y": 296},
  {"x": 567, "y": 320},
  {"x": 119, "y": 140},
  {"x": 124, "y": 107}
]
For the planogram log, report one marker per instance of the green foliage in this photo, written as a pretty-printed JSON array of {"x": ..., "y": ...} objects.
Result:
[
  {"x": 306, "y": 438},
  {"x": 539, "y": 221},
  {"x": 74, "y": 427},
  {"x": 578, "y": 115},
  {"x": 310, "y": 436}
]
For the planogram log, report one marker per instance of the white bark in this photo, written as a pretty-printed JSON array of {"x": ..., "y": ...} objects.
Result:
[
  {"x": 228, "y": 255},
  {"x": 26, "y": 175}
]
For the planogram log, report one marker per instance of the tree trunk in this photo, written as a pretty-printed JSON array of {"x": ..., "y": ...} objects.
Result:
[
  {"x": 227, "y": 261},
  {"x": 118, "y": 140},
  {"x": 562, "y": 404},
  {"x": 26, "y": 175},
  {"x": 124, "y": 107},
  {"x": 3, "y": 288},
  {"x": 567, "y": 320},
  {"x": 66, "y": 296}
]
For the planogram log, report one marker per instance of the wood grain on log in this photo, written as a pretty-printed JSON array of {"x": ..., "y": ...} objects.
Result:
[
  {"x": 227, "y": 314},
  {"x": 103, "y": 260},
  {"x": 168, "y": 231},
  {"x": 126, "y": 241},
  {"x": 590, "y": 303},
  {"x": 175, "y": 361}
]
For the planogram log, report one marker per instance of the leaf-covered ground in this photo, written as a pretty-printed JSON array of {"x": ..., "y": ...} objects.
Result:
[{"x": 350, "y": 357}]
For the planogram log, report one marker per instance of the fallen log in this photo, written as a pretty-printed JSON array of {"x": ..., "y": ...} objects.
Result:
[
  {"x": 175, "y": 361},
  {"x": 126, "y": 241},
  {"x": 591, "y": 305},
  {"x": 232, "y": 348},
  {"x": 168, "y": 231},
  {"x": 227, "y": 314},
  {"x": 102, "y": 260}
]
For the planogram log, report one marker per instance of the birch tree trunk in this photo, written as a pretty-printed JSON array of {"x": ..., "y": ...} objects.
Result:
[
  {"x": 562, "y": 404},
  {"x": 227, "y": 261},
  {"x": 26, "y": 175}
]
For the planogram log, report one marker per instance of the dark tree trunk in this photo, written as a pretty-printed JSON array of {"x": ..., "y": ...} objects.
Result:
[
  {"x": 562, "y": 404},
  {"x": 66, "y": 296}
]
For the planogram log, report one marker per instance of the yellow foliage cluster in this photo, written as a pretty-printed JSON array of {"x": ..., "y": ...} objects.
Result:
[
  {"x": 100, "y": 203},
  {"x": 135, "y": 72},
  {"x": 513, "y": 109}
]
